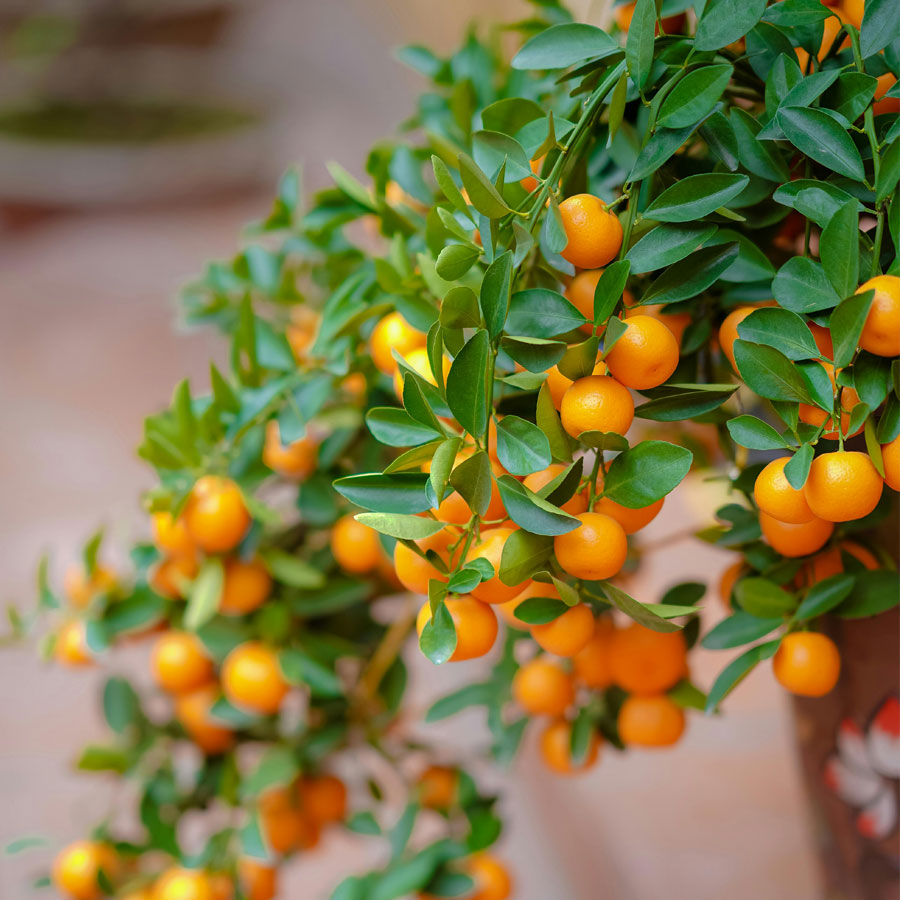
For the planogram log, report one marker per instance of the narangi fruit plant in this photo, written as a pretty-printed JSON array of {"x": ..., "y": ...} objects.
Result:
[{"x": 459, "y": 389}]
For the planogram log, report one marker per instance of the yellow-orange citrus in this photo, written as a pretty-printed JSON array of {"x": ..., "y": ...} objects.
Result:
[
  {"x": 568, "y": 634},
  {"x": 215, "y": 515},
  {"x": 252, "y": 679},
  {"x": 728, "y": 331},
  {"x": 631, "y": 520},
  {"x": 814, "y": 415},
  {"x": 281, "y": 820},
  {"x": 881, "y": 332},
  {"x": 543, "y": 688},
  {"x": 323, "y": 798},
  {"x": 355, "y": 546},
  {"x": 418, "y": 361},
  {"x": 492, "y": 881},
  {"x": 81, "y": 588},
  {"x": 795, "y": 540},
  {"x": 556, "y": 749},
  {"x": 647, "y": 662},
  {"x": 594, "y": 234},
  {"x": 258, "y": 880},
  {"x": 171, "y": 534},
  {"x": 592, "y": 662},
  {"x": 172, "y": 576},
  {"x": 246, "y": 586},
  {"x": 393, "y": 332},
  {"x": 645, "y": 355},
  {"x": 180, "y": 663},
  {"x": 183, "y": 884},
  {"x": 294, "y": 461},
  {"x": 558, "y": 384},
  {"x": 413, "y": 571},
  {"x": 596, "y": 403},
  {"x": 71, "y": 648},
  {"x": 194, "y": 711},
  {"x": 890, "y": 457},
  {"x": 842, "y": 486},
  {"x": 774, "y": 495},
  {"x": 576, "y": 504},
  {"x": 490, "y": 547},
  {"x": 831, "y": 562},
  {"x": 807, "y": 663},
  {"x": 475, "y": 623},
  {"x": 77, "y": 867},
  {"x": 595, "y": 550},
  {"x": 728, "y": 580},
  {"x": 654, "y": 721},
  {"x": 436, "y": 787}
]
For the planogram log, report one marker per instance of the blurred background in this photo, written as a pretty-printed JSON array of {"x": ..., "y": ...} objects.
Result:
[{"x": 135, "y": 140}]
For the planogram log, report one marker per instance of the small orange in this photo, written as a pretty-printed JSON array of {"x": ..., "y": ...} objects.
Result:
[
  {"x": 556, "y": 749},
  {"x": 252, "y": 679},
  {"x": 393, "y": 332},
  {"x": 492, "y": 881},
  {"x": 323, "y": 798},
  {"x": 71, "y": 647},
  {"x": 813, "y": 415},
  {"x": 594, "y": 233},
  {"x": 881, "y": 332},
  {"x": 593, "y": 551},
  {"x": 530, "y": 182},
  {"x": 654, "y": 721},
  {"x": 215, "y": 515},
  {"x": 647, "y": 662},
  {"x": 886, "y": 105},
  {"x": 728, "y": 580},
  {"x": 490, "y": 547},
  {"x": 194, "y": 711},
  {"x": 807, "y": 663},
  {"x": 281, "y": 820},
  {"x": 355, "y": 385},
  {"x": 592, "y": 661},
  {"x": 631, "y": 520},
  {"x": 832, "y": 26},
  {"x": 171, "y": 578},
  {"x": 558, "y": 384},
  {"x": 180, "y": 663},
  {"x": 774, "y": 495},
  {"x": 842, "y": 486},
  {"x": 580, "y": 293},
  {"x": 436, "y": 787},
  {"x": 413, "y": 571},
  {"x": 822, "y": 337},
  {"x": 301, "y": 331},
  {"x": 728, "y": 331},
  {"x": 567, "y": 634},
  {"x": 183, "y": 884},
  {"x": 418, "y": 361},
  {"x": 543, "y": 688},
  {"x": 475, "y": 623},
  {"x": 81, "y": 588},
  {"x": 246, "y": 587},
  {"x": 670, "y": 24},
  {"x": 455, "y": 511},
  {"x": 222, "y": 886},
  {"x": 597, "y": 403},
  {"x": 355, "y": 546},
  {"x": 258, "y": 881},
  {"x": 676, "y": 322},
  {"x": 576, "y": 504},
  {"x": 77, "y": 867},
  {"x": 645, "y": 355},
  {"x": 295, "y": 461},
  {"x": 831, "y": 562},
  {"x": 795, "y": 540},
  {"x": 171, "y": 534},
  {"x": 853, "y": 11},
  {"x": 890, "y": 457},
  {"x": 535, "y": 589}
]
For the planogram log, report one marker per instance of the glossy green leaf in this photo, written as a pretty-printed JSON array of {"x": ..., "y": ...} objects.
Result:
[
  {"x": 692, "y": 275},
  {"x": 639, "y": 41},
  {"x": 820, "y": 137},
  {"x": 781, "y": 329},
  {"x": 522, "y": 447},
  {"x": 472, "y": 480},
  {"x": 694, "y": 96},
  {"x": 541, "y": 313},
  {"x": 769, "y": 372},
  {"x": 846, "y": 326},
  {"x": 667, "y": 244},
  {"x": 495, "y": 293},
  {"x": 754, "y": 434},
  {"x": 724, "y": 21},
  {"x": 839, "y": 249},
  {"x": 403, "y": 492},
  {"x": 531, "y": 512},
  {"x": 482, "y": 193},
  {"x": 410, "y": 528},
  {"x": 736, "y": 671},
  {"x": 696, "y": 196},
  {"x": 562, "y": 45},
  {"x": 438, "y": 639},
  {"x": 739, "y": 628},
  {"x": 523, "y": 555},
  {"x": 467, "y": 384},
  {"x": 802, "y": 286},
  {"x": 646, "y": 473},
  {"x": 880, "y": 26}
]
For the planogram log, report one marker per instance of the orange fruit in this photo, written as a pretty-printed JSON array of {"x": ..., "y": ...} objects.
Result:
[
  {"x": 831, "y": 562},
  {"x": 323, "y": 798},
  {"x": 822, "y": 337},
  {"x": 807, "y": 663},
  {"x": 728, "y": 332},
  {"x": 418, "y": 361},
  {"x": 815, "y": 416},
  {"x": 580, "y": 293},
  {"x": 888, "y": 104},
  {"x": 670, "y": 24},
  {"x": 567, "y": 634},
  {"x": 455, "y": 511},
  {"x": 593, "y": 551},
  {"x": 890, "y": 457},
  {"x": 252, "y": 679},
  {"x": 881, "y": 332},
  {"x": 301, "y": 331},
  {"x": 258, "y": 881},
  {"x": 355, "y": 546},
  {"x": 775, "y": 496},
  {"x": 530, "y": 182},
  {"x": 246, "y": 587},
  {"x": 71, "y": 647},
  {"x": 281, "y": 820},
  {"x": 490, "y": 547},
  {"x": 535, "y": 589},
  {"x": 645, "y": 355},
  {"x": 393, "y": 332},
  {"x": 180, "y": 663},
  {"x": 728, "y": 580},
  {"x": 654, "y": 721},
  {"x": 215, "y": 515},
  {"x": 77, "y": 867},
  {"x": 647, "y": 662},
  {"x": 222, "y": 886},
  {"x": 194, "y": 711},
  {"x": 631, "y": 520},
  {"x": 492, "y": 881},
  {"x": 171, "y": 534},
  {"x": 436, "y": 787},
  {"x": 413, "y": 571},
  {"x": 594, "y": 234},
  {"x": 853, "y": 11},
  {"x": 677, "y": 322},
  {"x": 475, "y": 623},
  {"x": 591, "y": 662},
  {"x": 81, "y": 588},
  {"x": 795, "y": 540},
  {"x": 576, "y": 504},
  {"x": 596, "y": 403},
  {"x": 556, "y": 744},
  {"x": 842, "y": 486},
  {"x": 141, "y": 894},
  {"x": 558, "y": 384},
  {"x": 183, "y": 884},
  {"x": 355, "y": 385},
  {"x": 171, "y": 578},
  {"x": 832, "y": 26},
  {"x": 295, "y": 461},
  {"x": 543, "y": 688}
]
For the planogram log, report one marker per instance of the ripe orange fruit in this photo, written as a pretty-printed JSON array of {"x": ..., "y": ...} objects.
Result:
[
  {"x": 215, "y": 515},
  {"x": 171, "y": 534},
  {"x": 258, "y": 881},
  {"x": 534, "y": 589},
  {"x": 568, "y": 634},
  {"x": 301, "y": 331},
  {"x": 180, "y": 662},
  {"x": 171, "y": 577},
  {"x": 281, "y": 820},
  {"x": 437, "y": 787},
  {"x": 595, "y": 550},
  {"x": 193, "y": 711},
  {"x": 728, "y": 580},
  {"x": 530, "y": 182},
  {"x": 889, "y": 104},
  {"x": 246, "y": 587},
  {"x": 728, "y": 331},
  {"x": 813, "y": 415},
  {"x": 455, "y": 511},
  {"x": 645, "y": 355},
  {"x": 294, "y": 461},
  {"x": 822, "y": 337},
  {"x": 183, "y": 884},
  {"x": 71, "y": 647},
  {"x": 393, "y": 332},
  {"x": 543, "y": 688},
  {"x": 676, "y": 322},
  {"x": 222, "y": 886},
  {"x": 596, "y": 403},
  {"x": 654, "y": 721},
  {"x": 492, "y": 881},
  {"x": 631, "y": 520},
  {"x": 807, "y": 663},
  {"x": 580, "y": 293},
  {"x": 355, "y": 546},
  {"x": 81, "y": 588},
  {"x": 670, "y": 24},
  {"x": 413, "y": 571},
  {"x": 795, "y": 540},
  {"x": 647, "y": 662},
  {"x": 592, "y": 661},
  {"x": 558, "y": 384},
  {"x": 418, "y": 361},
  {"x": 594, "y": 234},
  {"x": 323, "y": 798},
  {"x": 475, "y": 623},
  {"x": 842, "y": 486},
  {"x": 881, "y": 332},
  {"x": 252, "y": 679},
  {"x": 775, "y": 496},
  {"x": 890, "y": 457},
  {"x": 831, "y": 28},
  {"x": 556, "y": 744},
  {"x": 490, "y": 547},
  {"x": 831, "y": 562},
  {"x": 77, "y": 867},
  {"x": 576, "y": 504}
]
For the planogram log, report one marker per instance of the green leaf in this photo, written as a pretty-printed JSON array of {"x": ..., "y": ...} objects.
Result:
[
  {"x": 760, "y": 157},
  {"x": 467, "y": 384},
  {"x": 470, "y": 695},
  {"x": 639, "y": 42},
  {"x": 363, "y": 822},
  {"x": 408, "y": 528},
  {"x": 889, "y": 173},
  {"x": 511, "y": 114},
  {"x": 781, "y": 329},
  {"x": 691, "y": 276},
  {"x": 873, "y": 593},
  {"x": 531, "y": 512},
  {"x": 277, "y": 767},
  {"x": 397, "y": 428},
  {"x": 301, "y": 668},
  {"x": 816, "y": 200},
  {"x": 121, "y": 707},
  {"x": 820, "y": 137},
  {"x": 580, "y": 360},
  {"x": 553, "y": 238},
  {"x": 824, "y": 596},
  {"x": 288, "y": 568},
  {"x": 678, "y": 404},
  {"x": 609, "y": 290},
  {"x": 491, "y": 150},
  {"x": 417, "y": 405},
  {"x": 796, "y": 13},
  {"x": 696, "y": 196},
  {"x": 495, "y": 293},
  {"x": 523, "y": 555},
  {"x": 796, "y": 469},
  {"x": 459, "y": 309},
  {"x": 802, "y": 286},
  {"x": 559, "y": 46},
  {"x": 537, "y": 355},
  {"x": 548, "y": 421},
  {"x": 350, "y": 186},
  {"x": 659, "y": 148},
  {"x": 720, "y": 137},
  {"x": 740, "y": 628},
  {"x": 541, "y": 313},
  {"x": 880, "y": 27},
  {"x": 839, "y": 249},
  {"x": 455, "y": 260},
  {"x": 438, "y": 638},
  {"x": 769, "y": 372},
  {"x": 442, "y": 465},
  {"x": 846, "y": 325},
  {"x": 522, "y": 447},
  {"x": 667, "y": 244},
  {"x": 694, "y": 96},
  {"x": 482, "y": 193},
  {"x": 645, "y": 473},
  {"x": 763, "y": 598},
  {"x": 617, "y": 106},
  {"x": 205, "y": 593},
  {"x": 754, "y": 434},
  {"x": 448, "y": 185},
  {"x": 736, "y": 671},
  {"x": 472, "y": 479},
  {"x": 724, "y": 21},
  {"x": 540, "y": 610},
  {"x": 403, "y": 492},
  {"x": 641, "y": 613}
]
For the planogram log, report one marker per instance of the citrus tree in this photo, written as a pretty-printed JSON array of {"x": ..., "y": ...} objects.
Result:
[{"x": 458, "y": 390}]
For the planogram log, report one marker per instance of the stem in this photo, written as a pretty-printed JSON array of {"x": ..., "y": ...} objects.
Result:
[
  {"x": 869, "y": 117},
  {"x": 592, "y": 484},
  {"x": 385, "y": 654},
  {"x": 876, "y": 247}
]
